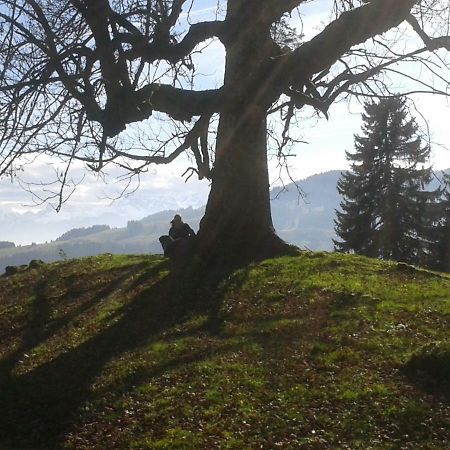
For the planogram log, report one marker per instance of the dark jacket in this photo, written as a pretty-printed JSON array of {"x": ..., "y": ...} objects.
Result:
[{"x": 184, "y": 232}]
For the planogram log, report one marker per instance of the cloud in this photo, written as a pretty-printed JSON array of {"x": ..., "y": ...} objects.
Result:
[{"x": 93, "y": 192}]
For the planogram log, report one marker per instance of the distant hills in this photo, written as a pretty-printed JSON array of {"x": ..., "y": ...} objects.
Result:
[
  {"x": 139, "y": 236},
  {"x": 304, "y": 218}
]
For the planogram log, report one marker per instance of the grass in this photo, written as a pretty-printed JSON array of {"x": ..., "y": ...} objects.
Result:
[{"x": 316, "y": 351}]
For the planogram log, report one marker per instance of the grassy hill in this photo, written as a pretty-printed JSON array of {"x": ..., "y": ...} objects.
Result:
[{"x": 311, "y": 352}]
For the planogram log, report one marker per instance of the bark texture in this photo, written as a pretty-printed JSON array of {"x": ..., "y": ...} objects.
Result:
[{"x": 238, "y": 223}]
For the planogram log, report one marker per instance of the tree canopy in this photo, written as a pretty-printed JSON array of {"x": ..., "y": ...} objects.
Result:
[{"x": 77, "y": 75}]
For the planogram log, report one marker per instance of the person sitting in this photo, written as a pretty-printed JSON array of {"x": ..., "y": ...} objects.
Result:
[
  {"x": 180, "y": 229},
  {"x": 179, "y": 233}
]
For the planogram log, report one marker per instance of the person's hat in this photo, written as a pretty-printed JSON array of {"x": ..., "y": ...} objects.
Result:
[{"x": 176, "y": 218}]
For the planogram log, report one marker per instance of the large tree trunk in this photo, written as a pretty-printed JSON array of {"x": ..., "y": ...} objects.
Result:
[{"x": 237, "y": 224}]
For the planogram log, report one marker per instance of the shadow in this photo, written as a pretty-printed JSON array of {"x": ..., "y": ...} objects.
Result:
[
  {"x": 41, "y": 327},
  {"x": 439, "y": 389},
  {"x": 429, "y": 370},
  {"x": 32, "y": 334},
  {"x": 41, "y": 406}
]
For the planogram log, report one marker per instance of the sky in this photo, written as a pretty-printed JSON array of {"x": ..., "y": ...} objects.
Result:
[{"x": 164, "y": 188}]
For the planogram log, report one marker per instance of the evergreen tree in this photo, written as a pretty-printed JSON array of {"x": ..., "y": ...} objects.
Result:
[
  {"x": 384, "y": 211},
  {"x": 439, "y": 255}
]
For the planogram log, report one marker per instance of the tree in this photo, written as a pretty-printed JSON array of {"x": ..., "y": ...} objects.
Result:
[
  {"x": 76, "y": 74},
  {"x": 386, "y": 208},
  {"x": 439, "y": 237}
]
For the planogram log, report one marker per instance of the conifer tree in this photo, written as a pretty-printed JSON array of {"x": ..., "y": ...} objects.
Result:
[
  {"x": 384, "y": 210},
  {"x": 439, "y": 254}
]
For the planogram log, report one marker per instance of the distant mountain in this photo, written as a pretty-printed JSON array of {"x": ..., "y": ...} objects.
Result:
[
  {"x": 45, "y": 224},
  {"x": 24, "y": 220},
  {"x": 82, "y": 232},
  {"x": 303, "y": 214}
]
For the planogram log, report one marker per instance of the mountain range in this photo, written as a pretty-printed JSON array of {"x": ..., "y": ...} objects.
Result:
[{"x": 303, "y": 214}]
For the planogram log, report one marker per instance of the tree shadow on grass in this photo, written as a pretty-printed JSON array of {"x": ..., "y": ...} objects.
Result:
[
  {"x": 40, "y": 406},
  {"x": 429, "y": 370},
  {"x": 438, "y": 388},
  {"x": 41, "y": 326}
]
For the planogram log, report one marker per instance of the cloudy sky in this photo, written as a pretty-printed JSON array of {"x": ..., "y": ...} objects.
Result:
[{"x": 23, "y": 220}]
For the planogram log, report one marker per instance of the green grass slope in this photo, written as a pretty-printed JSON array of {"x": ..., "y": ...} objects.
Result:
[{"x": 311, "y": 352}]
